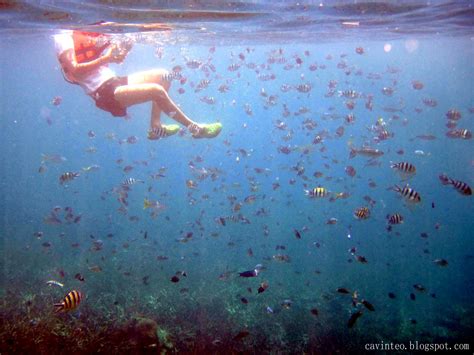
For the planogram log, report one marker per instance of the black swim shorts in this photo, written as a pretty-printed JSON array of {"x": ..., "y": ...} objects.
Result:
[{"x": 104, "y": 96}]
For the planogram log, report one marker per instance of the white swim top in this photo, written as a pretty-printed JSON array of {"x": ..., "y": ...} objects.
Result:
[{"x": 91, "y": 82}]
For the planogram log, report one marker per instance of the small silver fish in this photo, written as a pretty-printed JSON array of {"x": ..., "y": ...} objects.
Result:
[
  {"x": 53, "y": 282},
  {"x": 421, "y": 153}
]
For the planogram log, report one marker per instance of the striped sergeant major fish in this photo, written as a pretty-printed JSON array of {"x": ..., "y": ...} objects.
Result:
[
  {"x": 203, "y": 84},
  {"x": 459, "y": 133},
  {"x": 407, "y": 192},
  {"x": 395, "y": 218},
  {"x": 349, "y": 94},
  {"x": 316, "y": 192},
  {"x": 304, "y": 88},
  {"x": 170, "y": 76},
  {"x": 462, "y": 187},
  {"x": 233, "y": 67},
  {"x": 70, "y": 302},
  {"x": 362, "y": 213},
  {"x": 453, "y": 114},
  {"x": 68, "y": 176},
  {"x": 404, "y": 167},
  {"x": 131, "y": 181}
]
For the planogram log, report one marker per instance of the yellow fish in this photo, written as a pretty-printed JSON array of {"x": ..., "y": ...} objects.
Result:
[{"x": 151, "y": 204}]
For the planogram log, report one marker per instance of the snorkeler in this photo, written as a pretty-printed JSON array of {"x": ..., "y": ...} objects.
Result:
[{"x": 85, "y": 59}]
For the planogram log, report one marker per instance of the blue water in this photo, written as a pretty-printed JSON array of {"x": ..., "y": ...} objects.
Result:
[{"x": 204, "y": 312}]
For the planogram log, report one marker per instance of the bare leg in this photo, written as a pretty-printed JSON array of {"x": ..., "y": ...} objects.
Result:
[{"x": 150, "y": 86}]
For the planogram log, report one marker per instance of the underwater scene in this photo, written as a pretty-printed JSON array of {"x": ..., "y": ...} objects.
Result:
[{"x": 236, "y": 177}]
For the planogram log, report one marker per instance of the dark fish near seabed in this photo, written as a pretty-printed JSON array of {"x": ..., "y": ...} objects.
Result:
[
  {"x": 263, "y": 286},
  {"x": 354, "y": 318},
  {"x": 419, "y": 287},
  {"x": 361, "y": 259},
  {"x": 249, "y": 273},
  {"x": 368, "y": 305},
  {"x": 441, "y": 262}
]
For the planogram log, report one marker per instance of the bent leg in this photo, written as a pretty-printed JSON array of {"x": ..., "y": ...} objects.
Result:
[
  {"x": 137, "y": 93},
  {"x": 153, "y": 86},
  {"x": 154, "y": 76}
]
